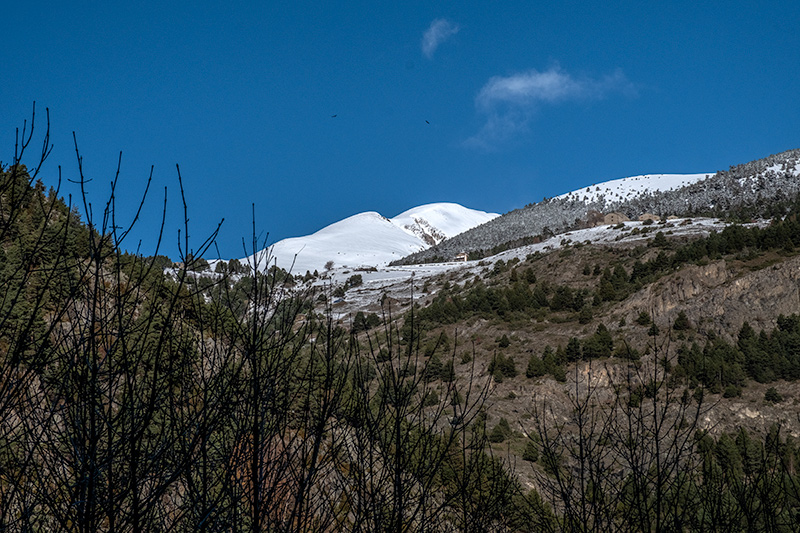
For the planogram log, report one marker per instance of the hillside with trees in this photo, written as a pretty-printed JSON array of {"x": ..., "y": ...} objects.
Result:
[
  {"x": 141, "y": 395},
  {"x": 580, "y": 389},
  {"x": 764, "y": 188}
]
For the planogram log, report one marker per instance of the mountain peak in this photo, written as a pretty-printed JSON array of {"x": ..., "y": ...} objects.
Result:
[
  {"x": 370, "y": 239},
  {"x": 436, "y": 222}
]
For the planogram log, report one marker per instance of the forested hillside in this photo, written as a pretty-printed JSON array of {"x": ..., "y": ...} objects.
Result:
[
  {"x": 577, "y": 389},
  {"x": 134, "y": 400},
  {"x": 624, "y": 404}
]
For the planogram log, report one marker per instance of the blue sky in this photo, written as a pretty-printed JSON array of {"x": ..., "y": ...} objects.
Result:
[{"x": 490, "y": 104}]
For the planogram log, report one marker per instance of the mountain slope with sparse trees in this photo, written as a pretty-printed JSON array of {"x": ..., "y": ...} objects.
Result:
[{"x": 761, "y": 188}]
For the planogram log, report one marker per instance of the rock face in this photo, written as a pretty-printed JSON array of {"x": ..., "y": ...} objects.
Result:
[
  {"x": 425, "y": 231},
  {"x": 717, "y": 298}
]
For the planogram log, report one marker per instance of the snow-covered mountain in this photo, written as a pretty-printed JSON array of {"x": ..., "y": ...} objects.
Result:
[
  {"x": 372, "y": 240},
  {"x": 434, "y": 223}
]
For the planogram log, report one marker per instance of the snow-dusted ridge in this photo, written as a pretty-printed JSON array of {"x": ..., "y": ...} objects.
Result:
[
  {"x": 624, "y": 189},
  {"x": 371, "y": 240},
  {"x": 560, "y": 213}
]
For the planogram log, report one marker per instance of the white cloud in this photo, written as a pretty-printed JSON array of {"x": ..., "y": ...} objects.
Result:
[
  {"x": 509, "y": 102},
  {"x": 439, "y": 31},
  {"x": 499, "y": 127}
]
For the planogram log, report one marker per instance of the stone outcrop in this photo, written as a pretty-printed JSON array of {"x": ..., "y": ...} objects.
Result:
[{"x": 717, "y": 298}]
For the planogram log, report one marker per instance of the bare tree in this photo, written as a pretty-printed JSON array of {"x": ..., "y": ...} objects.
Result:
[
  {"x": 406, "y": 429},
  {"x": 623, "y": 458},
  {"x": 134, "y": 399}
]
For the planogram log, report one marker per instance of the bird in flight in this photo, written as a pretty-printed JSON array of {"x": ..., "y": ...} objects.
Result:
[
  {"x": 333, "y": 116},
  {"x": 426, "y": 122}
]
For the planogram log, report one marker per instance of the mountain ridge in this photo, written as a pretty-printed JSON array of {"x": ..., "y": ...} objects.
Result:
[
  {"x": 439, "y": 231},
  {"x": 762, "y": 187}
]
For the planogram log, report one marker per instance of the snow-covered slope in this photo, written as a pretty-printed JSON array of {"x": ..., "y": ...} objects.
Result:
[
  {"x": 372, "y": 240},
  {"x": 559, "y": 213},
  {"x": 625, "y": 189},
  {"x": 435, "y": 222}
]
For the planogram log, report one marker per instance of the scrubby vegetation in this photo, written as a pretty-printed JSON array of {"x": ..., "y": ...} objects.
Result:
[{"x": 524, "y": 295}]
